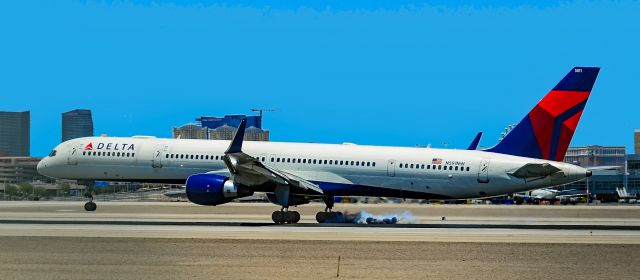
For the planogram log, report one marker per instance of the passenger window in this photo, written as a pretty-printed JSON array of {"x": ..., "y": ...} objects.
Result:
[
  {"x": 422, "y": 166},
  {"x": 165, "y": 156},
  {"x": 352, "y": 162},
  {"x": 400, "y": 165},
  {"x": 439, "y": 167},
  {"x": 83, "y": 153},
  {"x": 127, "y": 154},
  {"x": 368, "y": 163},
  {"x": 331, "y": 161},
  {"x": 133, "y": 154},
  {"x": 314, "y": 161},
  {"x": 450, "y": 167},
  {"x": 342, "y": 162},
  {"x": 263, "y": 159},
  {"x": 456, "y": 169},
  {"x": 411, "y": 165},
  {"x": 428, "y": 166},
  {"x": 278, "y": 160},
  {"x": 272, "y": 159},
  {"x": 467, "y": 168},
  {"x": 325, "y": 161}
]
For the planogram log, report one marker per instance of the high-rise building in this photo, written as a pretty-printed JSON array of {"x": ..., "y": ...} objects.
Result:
[
  {"x": 190, "y": 131},
  {"x": 230, "y": 120},
  {"x": 590, "y": 156},
  {"x": 227, "y": 132},
  {"x": 636, "y": 141},
  {"x": 77, "y": 123},
  {"x": 15, "y": 134},
  {"x": 223, "y": 128}
]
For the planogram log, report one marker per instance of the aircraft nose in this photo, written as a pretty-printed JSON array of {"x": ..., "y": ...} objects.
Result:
[{"x": 42, "y": 166}]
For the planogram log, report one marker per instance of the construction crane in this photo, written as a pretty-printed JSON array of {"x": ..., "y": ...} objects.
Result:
[{"x": 261, "y": 111}]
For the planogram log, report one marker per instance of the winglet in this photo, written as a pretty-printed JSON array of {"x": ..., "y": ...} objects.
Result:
[
  {"x": 475, "y": 142},
  {"x": 236, "y": 142}
]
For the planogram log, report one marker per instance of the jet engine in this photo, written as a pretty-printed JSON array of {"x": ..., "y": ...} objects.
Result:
[{"x": 212, "y": 189}]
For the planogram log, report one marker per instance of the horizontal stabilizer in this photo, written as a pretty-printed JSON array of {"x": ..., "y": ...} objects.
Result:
[{"x": 534, "y": 170}]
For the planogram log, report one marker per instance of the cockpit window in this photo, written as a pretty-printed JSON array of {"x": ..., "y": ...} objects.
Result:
[{"x": 53, "y": 153}]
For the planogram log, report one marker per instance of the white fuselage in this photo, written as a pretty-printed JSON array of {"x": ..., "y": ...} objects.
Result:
[{"x": 339, "y": 169}]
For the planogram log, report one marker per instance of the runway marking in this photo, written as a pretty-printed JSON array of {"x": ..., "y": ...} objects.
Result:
[
  {"x": 554, "y": 226},
  {"x": 327, "y": 233}
]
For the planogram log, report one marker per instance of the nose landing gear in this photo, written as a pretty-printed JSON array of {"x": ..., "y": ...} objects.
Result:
[{"x": 90, "y": 206}]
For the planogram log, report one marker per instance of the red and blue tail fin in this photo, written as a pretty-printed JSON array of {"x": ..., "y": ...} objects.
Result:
[{"x": 546, "y": 132}]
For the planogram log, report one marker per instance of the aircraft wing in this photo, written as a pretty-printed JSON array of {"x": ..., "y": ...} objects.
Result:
[
  {"x": 534, "y": 170},
  {"x": 249, "y": 171}
]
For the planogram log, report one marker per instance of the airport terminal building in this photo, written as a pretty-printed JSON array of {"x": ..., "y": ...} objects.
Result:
[{"x": 622, "y": 169}]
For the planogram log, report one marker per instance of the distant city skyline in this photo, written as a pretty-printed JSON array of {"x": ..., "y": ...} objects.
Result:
[{"x": 397, "y": 74}]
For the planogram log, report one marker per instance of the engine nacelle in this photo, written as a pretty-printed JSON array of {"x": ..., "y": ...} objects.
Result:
[{"x": 212, "y": 189}]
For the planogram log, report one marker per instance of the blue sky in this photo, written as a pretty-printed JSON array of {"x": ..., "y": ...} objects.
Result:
[{"x": 370, "y": 72}]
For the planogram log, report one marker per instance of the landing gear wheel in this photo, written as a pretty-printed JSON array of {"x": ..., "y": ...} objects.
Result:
[
  {"x": 278, "y": 217},
  {"x": 294, "y": 217},
  {"x": 330, "y": 217},
  {"x": 90, "y": 206}
]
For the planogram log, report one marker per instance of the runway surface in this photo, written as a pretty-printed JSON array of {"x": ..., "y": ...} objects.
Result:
[{"x": 131, "y": 240}]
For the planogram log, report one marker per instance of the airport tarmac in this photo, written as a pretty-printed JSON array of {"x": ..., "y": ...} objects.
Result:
[{"x": 134, "y": 240}]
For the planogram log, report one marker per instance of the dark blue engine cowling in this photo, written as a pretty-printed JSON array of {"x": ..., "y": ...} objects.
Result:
[{"x": 212, "y": 189}]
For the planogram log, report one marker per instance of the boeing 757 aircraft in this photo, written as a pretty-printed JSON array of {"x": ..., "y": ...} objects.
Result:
[{"x": 216, "y": 172}]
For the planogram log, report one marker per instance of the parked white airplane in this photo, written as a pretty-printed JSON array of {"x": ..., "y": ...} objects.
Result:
[{"x": 216, "y": 172}]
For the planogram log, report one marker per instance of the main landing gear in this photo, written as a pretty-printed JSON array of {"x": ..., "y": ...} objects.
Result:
[
  {"x": 285, "y": 216},
  {"x": 329, "y": 216}
]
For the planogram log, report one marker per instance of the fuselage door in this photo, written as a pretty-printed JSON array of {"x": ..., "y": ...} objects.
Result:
[
  {"x": 73, "y": 154},
  {"x": 158, "y": 153},
  {"x": 483, "y": 171},
  {"x": 391, "y": 168}
]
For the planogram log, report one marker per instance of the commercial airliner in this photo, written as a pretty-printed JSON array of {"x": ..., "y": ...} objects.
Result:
[{"x": 216, "y": 172}]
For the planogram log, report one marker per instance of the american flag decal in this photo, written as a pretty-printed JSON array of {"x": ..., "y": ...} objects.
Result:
[{"x": 436, "y": 161}]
